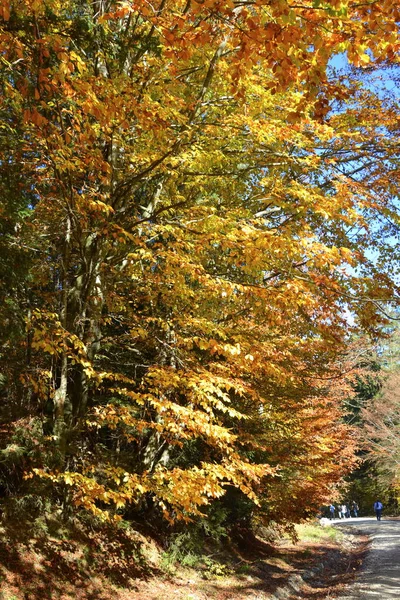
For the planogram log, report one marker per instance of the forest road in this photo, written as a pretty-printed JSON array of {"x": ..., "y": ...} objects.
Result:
[{"x": 379, "y": 577}]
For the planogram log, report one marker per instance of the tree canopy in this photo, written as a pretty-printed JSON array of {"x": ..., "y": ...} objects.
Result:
[{"x": 190, "y": 198}]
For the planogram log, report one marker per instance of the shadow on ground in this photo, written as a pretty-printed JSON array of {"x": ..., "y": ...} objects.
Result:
[
  {"x": 87, "y": 565},
  {"x": 103, "y": 564}
]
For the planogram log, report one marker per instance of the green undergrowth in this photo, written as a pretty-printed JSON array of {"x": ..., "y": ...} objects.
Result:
[{"x": 314, "y": 532}]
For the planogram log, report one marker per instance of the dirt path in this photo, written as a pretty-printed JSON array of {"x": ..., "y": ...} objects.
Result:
[{"x": 379, "y": 578}]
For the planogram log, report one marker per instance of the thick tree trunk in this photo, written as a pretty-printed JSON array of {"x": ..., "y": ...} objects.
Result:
[{"x": 85, "y": 308}]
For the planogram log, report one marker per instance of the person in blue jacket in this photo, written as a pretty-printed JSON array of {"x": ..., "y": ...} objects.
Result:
[{"x": 378, "y": 507}]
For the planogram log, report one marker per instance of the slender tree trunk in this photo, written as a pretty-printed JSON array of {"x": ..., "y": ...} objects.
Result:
[{"x": 60, "y": 396}]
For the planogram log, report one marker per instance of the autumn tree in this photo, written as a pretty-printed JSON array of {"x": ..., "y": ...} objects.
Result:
[
  {"x": 379, "y": 424},
  {"x": 196, "y": 198}
]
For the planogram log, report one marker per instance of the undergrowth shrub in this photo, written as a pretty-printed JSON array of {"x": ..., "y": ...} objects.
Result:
[{"x": 188, "y": 548}]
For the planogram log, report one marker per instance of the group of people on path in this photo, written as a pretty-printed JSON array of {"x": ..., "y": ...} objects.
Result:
[{"x": 344, "y": 511}]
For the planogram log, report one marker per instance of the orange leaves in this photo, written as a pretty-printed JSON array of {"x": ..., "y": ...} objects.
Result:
[
  {"x": 34, "y": 116},
  {"x": 193, "y": 224},
  {"x": 123, "y": 10},
  {"x": 5, "y": 10},
  {"x": 179, "y": 492}
]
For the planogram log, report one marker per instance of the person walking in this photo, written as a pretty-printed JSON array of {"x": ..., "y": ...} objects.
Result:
[
  {"x": 332, "y": 511},
  {"x": 378, "y": 507},
  {"x": 355, "y": 508}
]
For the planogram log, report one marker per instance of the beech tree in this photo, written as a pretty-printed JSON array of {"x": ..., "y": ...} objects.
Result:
[
  {"x": 195, "y": 231},
  {"x": 379, "y": 421}
]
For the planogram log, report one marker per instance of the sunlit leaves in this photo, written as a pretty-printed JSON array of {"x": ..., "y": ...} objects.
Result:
[{"x": 197, "y": 231}]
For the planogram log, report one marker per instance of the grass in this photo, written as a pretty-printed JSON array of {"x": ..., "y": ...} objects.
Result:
[{"x": 312, "y": 532}]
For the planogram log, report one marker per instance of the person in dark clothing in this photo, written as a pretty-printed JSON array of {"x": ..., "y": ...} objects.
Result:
[
  {"x": 332, "y": 511},
  {"x": 378, "y": 507}
]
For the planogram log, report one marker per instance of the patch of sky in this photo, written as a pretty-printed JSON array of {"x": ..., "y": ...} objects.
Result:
[
  {"x": 382, "y": 81},
  {"x": 380, "y": 78}
]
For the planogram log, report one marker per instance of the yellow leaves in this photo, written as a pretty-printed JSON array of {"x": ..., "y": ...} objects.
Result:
[
  {"x": 50, "y": 337},
  {"x": 176, "y": 422},
  {"x": 68, "y": 478},
  {"x": 347, "y": 255},
  {"x": 87, "y": 492},
  {"x": 140, "y": 333},
  {"x": 233, "y": 350},
  {"x": 202, "y": 344},
  {"x": 359, "y": 55},
  {"x": 212, "y": 286},
  {"x": 77, "y": 61},
  {"x": 187, "y": 490},
  {"x": 40, "y": 382},
  {"x": 99, "y": 207}
]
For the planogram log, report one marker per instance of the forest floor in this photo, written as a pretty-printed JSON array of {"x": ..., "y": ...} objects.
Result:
[{"x": 35, "y": 565}]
